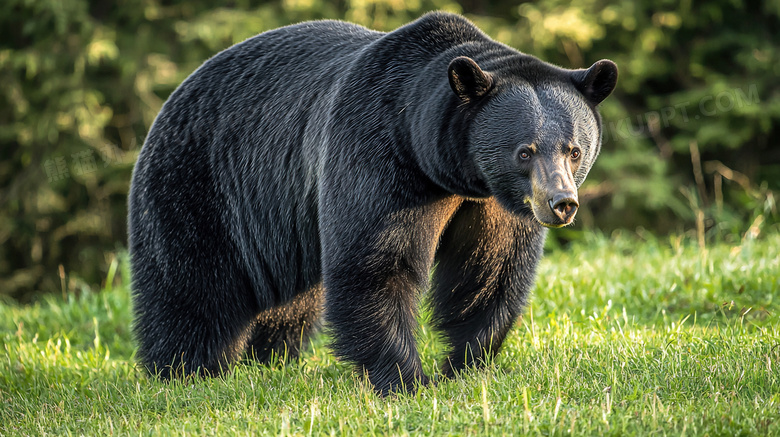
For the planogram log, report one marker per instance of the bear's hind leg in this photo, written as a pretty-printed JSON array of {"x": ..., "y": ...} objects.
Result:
[
  {"x": 284, "y": 331},
  {"x": 190, "y": 321},
  {"x": 485, "y": 269}
]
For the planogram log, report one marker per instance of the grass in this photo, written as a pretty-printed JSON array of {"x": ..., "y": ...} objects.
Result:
[{"x": 624, "y": 336}]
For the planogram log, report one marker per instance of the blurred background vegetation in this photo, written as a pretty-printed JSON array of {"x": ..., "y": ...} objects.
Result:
[{"x": 691, "y": 133}]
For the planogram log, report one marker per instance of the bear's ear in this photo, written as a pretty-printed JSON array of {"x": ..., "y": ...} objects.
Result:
[
  {"x": 597, "y": 82},
  {"x": 468, "y": 80}
]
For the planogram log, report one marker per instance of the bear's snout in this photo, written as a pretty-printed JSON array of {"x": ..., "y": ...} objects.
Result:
[
  {"x": 554, "y": 193},
  {"x": 564, "y": 206}
]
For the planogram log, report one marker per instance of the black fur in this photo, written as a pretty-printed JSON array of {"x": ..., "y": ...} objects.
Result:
[{"x": 324, "y": 166}]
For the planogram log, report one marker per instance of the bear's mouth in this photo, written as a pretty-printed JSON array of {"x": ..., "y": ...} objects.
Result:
[{"x": 554, "y": 225}]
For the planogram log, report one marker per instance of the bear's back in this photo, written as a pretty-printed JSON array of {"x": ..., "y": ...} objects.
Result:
[{"x": 235, "y": 150}]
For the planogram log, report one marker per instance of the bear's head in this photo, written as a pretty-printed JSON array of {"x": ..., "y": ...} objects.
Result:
[{"x": 536, "y": 133}]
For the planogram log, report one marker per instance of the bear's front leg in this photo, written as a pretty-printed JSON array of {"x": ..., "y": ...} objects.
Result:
[
  {"x": 485, "y": 269},
  {"x": 375, "y": 265},
  {"x": 372, "y": 317}
]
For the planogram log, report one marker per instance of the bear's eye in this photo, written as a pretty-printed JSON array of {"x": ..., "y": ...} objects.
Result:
[
  {"x": 523, "y": 154},
  {"x": 575, "y": 154}
]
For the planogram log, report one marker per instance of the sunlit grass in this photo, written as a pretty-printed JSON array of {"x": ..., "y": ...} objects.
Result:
[{"x": 623, "y": 336}]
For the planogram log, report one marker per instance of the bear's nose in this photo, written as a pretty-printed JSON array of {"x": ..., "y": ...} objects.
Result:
[{"x": 564, "y": 206}]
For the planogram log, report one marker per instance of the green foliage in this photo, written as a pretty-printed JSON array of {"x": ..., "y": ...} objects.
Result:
[
  {"x": 695, "y": 79},
  {"x": 690, "y": 134},
  {"x": 646, "y": 337}
]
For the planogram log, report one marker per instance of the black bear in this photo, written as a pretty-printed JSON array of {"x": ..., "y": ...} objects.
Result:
[{"x": 324, "y": 169}]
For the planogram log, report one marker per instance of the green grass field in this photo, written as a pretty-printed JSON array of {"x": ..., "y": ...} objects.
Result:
[{"x": 624, "y": 336}]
